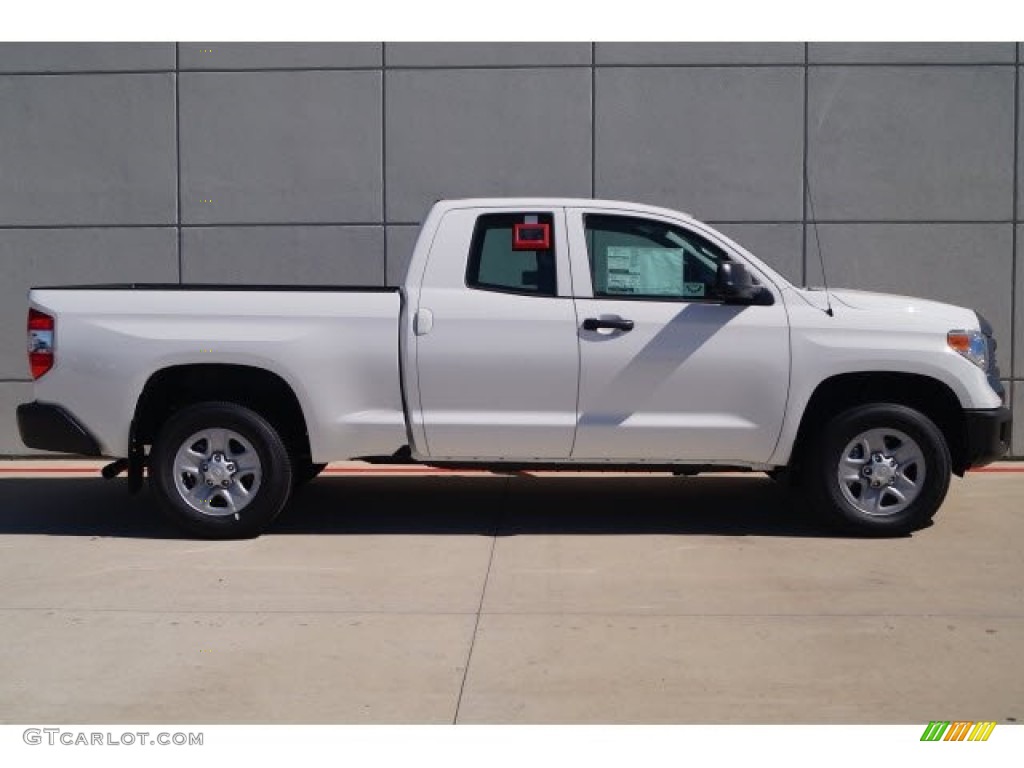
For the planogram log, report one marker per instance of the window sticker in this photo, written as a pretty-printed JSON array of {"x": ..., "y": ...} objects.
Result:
[{"x": 648, "y": 272}]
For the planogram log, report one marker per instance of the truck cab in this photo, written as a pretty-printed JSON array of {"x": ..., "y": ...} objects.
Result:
[{"x": 609, "y": 339}]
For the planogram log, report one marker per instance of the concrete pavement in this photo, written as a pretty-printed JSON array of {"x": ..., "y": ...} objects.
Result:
[{"x": 521, "y": 599}]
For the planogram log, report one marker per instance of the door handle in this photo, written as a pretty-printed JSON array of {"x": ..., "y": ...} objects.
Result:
[{"x": 617, "y": 324}]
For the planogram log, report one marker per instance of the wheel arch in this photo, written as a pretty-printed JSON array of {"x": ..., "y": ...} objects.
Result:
[
  {"x": 171, "y": 389},
  {"x": 928, "y": 395}
]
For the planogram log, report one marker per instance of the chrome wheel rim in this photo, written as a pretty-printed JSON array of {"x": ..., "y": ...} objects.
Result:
[
  {"x": 881, "y": 472},
  {"x": 217, "y": 472}
]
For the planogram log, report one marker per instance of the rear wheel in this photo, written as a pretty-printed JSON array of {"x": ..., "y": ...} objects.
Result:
[
  {"x": 220, "y": 471},
  {"x": 881, "y": 469}
]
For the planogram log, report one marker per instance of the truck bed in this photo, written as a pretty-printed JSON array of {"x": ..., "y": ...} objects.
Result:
[
  {"x": 335, "y": 346},
  {"x": 219, "y": 287}
]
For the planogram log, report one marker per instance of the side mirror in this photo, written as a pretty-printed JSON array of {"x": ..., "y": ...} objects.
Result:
[{"x": 734, "y": 284}]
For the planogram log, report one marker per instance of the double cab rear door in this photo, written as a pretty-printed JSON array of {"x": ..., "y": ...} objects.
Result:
[{"x": 591, "y": 335}]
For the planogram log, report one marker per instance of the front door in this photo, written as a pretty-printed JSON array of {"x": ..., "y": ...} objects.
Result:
[{"x": 669, "y": 372}]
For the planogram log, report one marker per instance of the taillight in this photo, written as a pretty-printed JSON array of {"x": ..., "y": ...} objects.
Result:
[{"x": 40, "y": 342}]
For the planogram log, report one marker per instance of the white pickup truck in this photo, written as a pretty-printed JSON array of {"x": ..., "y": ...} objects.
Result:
[{"x": 540, "y": 333}]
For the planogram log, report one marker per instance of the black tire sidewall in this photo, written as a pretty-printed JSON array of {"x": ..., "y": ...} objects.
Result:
[
  {"x": 838, "y": 433},
  {"x": 275, "y": 481}
]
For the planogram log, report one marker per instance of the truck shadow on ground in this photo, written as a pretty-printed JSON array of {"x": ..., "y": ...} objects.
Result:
[{"x": 453, "y": 505}]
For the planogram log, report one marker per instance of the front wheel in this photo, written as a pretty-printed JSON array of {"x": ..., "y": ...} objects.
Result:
[
  {"x": 879, "y": 469},
  {"x": 220, "y": 471}
]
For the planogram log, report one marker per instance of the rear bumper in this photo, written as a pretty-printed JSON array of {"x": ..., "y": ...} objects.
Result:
[
  {"x": 988, "y": 435},
  {"x": 49, "y": 427}
]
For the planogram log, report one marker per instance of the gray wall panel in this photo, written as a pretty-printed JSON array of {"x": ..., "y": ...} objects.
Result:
[
  {"x": 273, "y": 147},
  {"x": 85, "y": 57},
  {"x": 721, "y": 143},
  {"x": 30, "y": 257},
  {"x": 283, "y": 255},
  {"x": 198, "y": 56},
  {"x": 401, "y": 240},
  {"x": 965, "y": 264},
  {"x": 905, "y": 143},
  {"x": 910, "y": 53},
  {"x": 13, "y": 394},
  {"x": 488, "y": 132},
  {"x": 87, "y": 149},
  {"x": 486, "y": 54},
  {"x": 778, "y": 245},
  {"x": 698, "y": 53}
]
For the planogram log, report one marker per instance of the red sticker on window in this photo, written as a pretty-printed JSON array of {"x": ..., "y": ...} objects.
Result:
[{"x": 531, "y": 237}]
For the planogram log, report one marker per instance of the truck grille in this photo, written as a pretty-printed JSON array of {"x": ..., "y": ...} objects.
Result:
[{"x": 992, "y": 370}]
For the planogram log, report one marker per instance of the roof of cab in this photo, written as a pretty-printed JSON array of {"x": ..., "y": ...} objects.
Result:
[{"x": 558, "y": 202}]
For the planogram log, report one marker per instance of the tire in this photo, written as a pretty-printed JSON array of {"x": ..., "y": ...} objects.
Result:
[
  {"x": 880, "y": 470},
  {"x": 220, "y": 471},
  {"x": 304, "y": 471}
]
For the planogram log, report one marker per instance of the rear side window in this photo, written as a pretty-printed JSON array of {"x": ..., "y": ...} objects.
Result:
[{"x": 502, "y": 257}]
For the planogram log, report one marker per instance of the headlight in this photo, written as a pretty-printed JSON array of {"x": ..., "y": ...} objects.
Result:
[{"x": 970, "y": 344}]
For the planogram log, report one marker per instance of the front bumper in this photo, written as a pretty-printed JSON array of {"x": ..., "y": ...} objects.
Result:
[
  {"x": 988, "y": 435},
  {"x": 49, "y": 427}
]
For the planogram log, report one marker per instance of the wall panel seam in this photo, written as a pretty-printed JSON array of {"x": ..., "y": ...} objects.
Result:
[
  {"x": 60, "y": 73},
  {"x": 912, "y": 64},
  {"x": 805, "y": 183},
  {"x": 384, "y": 150},
  {"x": 166, "y": 225},
  {"x": 240, "y": 70},
  {"x": 1014, "y": 330},
  {"x": 461, "y": 67},
  {"x": 593, "y": 122},
  {"x": 396, "y": 68},
  {"x": 795, "y": 65},
  {"x": 177, "y": 156}
]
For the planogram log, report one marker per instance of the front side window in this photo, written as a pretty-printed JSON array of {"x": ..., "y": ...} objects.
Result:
[
  {"x": 646, "y": 259},
  {"x": 508, "y": 254}
]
